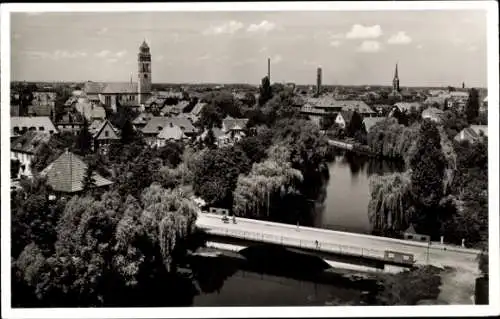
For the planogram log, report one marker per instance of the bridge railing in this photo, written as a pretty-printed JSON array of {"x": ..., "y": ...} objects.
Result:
[{"x": 298, "y": 243}]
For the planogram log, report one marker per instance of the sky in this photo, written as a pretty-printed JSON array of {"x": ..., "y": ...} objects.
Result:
[{"x": 432, "y": 48}]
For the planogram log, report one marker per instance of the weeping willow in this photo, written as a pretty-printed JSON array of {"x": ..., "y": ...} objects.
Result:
[
  {"x": 389, "y": 207},
  {"x": 266, "y": 179}
]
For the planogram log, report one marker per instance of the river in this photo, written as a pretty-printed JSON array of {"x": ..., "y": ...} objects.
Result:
[
  {"x": 276, "y": 278},
  {"x": 347, "y": 194}
]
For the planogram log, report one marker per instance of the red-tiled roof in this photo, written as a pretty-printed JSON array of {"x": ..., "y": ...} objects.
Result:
[{"x": 67, "y": 172}]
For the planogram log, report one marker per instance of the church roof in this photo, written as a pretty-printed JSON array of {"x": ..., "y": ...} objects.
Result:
[
  {"x": 110, "y": 88},
  {"x": 120, "y": 88},
  {"x": 144, "y": 45},
  {"x": 157, "y": 123}
]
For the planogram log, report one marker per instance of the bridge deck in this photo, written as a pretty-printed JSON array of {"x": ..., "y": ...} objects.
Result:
[{"x": 337, "y": 242}]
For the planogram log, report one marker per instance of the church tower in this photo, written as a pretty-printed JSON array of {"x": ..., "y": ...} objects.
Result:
[
  {"x": 395, "y": 81},
  {"x": 144, "y": 73}
]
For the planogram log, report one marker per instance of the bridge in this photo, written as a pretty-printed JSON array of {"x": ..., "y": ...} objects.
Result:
[{"x": 336, "y": 242}]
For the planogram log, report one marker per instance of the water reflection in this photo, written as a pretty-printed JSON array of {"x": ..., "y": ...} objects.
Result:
[
  {"x": 345, "y": 207},
  {"x": 268, "y": 275}
]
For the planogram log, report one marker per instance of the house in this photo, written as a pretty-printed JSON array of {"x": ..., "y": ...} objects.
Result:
[
  {"x": 481, "y": 130},
  {"x": 467, "y": 134},
  {"x": 25, "y": 147},
  {"x": 90, "y": 110},
  {"x": 156, "y": 124},
  {"x": 359, "y": 106},
  {"x": 196, "y": 111},
  {"x": 435, "y": 101},
  {"x": 71, "y": 123},
  {"x": 369, "y": 122},
  {"x": 21, "y": 124},
  {"x": 344, "y": 118},
  {"x": 411, "y": 234},
  {"x": 408, "y": 106},
  {"x": 230, "y": 124},
  {"x": 171, "y": 132},
  {"x": 221, "y": 138},
  {"x": 141, "y": 120},
  {"x": 66, "y": 174},
  {"x": 174, "y": 109},
  {"x": 103, "y": 134},
  {"x": 432, "y": 113}
]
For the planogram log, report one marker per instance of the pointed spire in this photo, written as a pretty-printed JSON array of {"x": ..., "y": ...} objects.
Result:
[{"x": 396, "y": 71}]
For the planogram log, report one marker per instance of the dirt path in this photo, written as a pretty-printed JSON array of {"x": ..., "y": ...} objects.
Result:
[{"x": 458, "y": 286}]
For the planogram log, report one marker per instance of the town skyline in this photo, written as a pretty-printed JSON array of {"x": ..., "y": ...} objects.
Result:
[{"x": 352, "y": 48}]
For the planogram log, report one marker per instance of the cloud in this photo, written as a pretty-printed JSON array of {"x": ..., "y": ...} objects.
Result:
[
  {"x": 102, "y": 31},
  {"x": 264, "y": 26},
  {"x": 399, "y": 38},
  {"x": 112, "y": 60},
  {"x": 120, "y": 53},
  {"x": 56, "y": 55},
  {"x": 420, "y": 46},
  {"x": 103, "y": 53},
  {"x": 335, "y": 43},
  {"x": 263, "y": 49},
  {"x": 226, "y": 28},
  {"x": 361, "y": 32},
  {"x": 369, "y": 46},
  {"x": 308, "y": 62},
  {"x": 110, "y": 55},
  {"x": 160, "y": 58}
]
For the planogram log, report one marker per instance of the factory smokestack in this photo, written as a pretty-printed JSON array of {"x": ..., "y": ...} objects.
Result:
[
  {"x": 269, "y": 69},
  {"x": 318, "y": 81}
]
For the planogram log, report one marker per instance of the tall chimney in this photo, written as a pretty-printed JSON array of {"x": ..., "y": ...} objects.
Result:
[
  {"x": 269, "y": 69},
  {"x": 318, "y": 81}
]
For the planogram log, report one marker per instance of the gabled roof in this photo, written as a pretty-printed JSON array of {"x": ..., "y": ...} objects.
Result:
[
  {"x": 30, "y": 142},
  {"x": 230, "y": 123},
  {"x": 98, "y": 126},
  {"x": 410, "y": 230},
  {"x": 405, "y": 106},
  {"x": 432, "y": 112},
  {"x": 31, "y": 121},
  {"x": 67, "y": 172},
  {"x": 171, "y": 132},
  {"x": 347, "y": 115},
  {"x": 369, "y": 122},
  {"x": 354, "y": 105},
  {"x": 41, "y": 109},
  {"x": 142, "y": 118},
  {"x": 467, "y": 134},
  {"x": 176, "y": 109},
  {"x": 93, "y": 87},
  {"x": 157, "y": 123},
  {"x": 198, "y": 108},
  {"x": 480, "y": 128}
]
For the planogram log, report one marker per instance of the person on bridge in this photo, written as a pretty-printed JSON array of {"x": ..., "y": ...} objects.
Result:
[
  {"x": 317, "y": 244},
  {"x": 234, "y": 219}
]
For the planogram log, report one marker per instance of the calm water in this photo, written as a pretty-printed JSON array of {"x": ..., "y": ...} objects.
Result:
[
  {"x": 347, "y": 192},
  {"x": 265, "y": 277},
  {"x": 274, "y": 277}
]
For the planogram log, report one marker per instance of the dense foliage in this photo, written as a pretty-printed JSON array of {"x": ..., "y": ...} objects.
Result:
[{"x": 106, "y": 251}]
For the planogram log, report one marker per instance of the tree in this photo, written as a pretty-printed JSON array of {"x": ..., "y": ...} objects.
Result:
[
  {"x": 210, "y": 117},
  {"x": 84, "y": 140},
  {"x": 15, "y": 164},
  {"x": 472, "y": 107},
  {"x": 210, "y": 139},
  {"x": 355, "y": 125},
  {"x": 265, "y": 91},
  {"x": 88, "y": 179},
  {"x": 428, "y": 166},
  {"x": 389, "y": 208},
  {"x": 216, "y": 174},
  {"x": 249, "y": 100},
  {"x": 128, "y": 133}
]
